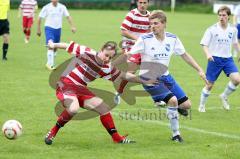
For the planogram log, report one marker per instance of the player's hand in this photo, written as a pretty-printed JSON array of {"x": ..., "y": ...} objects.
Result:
[
  {"x": 150, "y": 82},
  {"x": 74, "y": 29},
  {"x": 210, "y": 58},
  {"x": 51, "y": 44},
  {"x": 39, "y": 33},
  {"x": 203, "y": 76}
]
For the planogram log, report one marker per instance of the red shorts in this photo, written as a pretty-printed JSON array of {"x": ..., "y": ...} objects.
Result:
[
  {"x": 81, "y": 92},
  {"x": 135, "y": 58},
  {"x": 27, "y": 22}
]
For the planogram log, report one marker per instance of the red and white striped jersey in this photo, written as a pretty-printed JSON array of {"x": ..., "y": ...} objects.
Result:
[
  {"x": 28, "y": 7},
  {"x": 137, "y": 24},
  {"x": 85, "y": 68}
]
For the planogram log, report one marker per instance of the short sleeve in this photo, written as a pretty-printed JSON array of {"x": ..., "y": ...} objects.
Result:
[
  {"x": 65, "y": 12},
  {"x": 43, "y": 13},
  {"x": 179, "y": 48},
  {"x": 206, "y": 38},
  {"x": 78, "y": 50}
]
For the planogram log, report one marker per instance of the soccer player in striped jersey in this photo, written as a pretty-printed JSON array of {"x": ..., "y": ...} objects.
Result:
[
  {"x": 53, "y": 13},
  {"x": 135, "y": 24},
  {"x": 217, "y": 43},
  {"x": 27, "y": 8},
  {"x": 72, "y": 88},
  {"x": 156, "y": 49}
]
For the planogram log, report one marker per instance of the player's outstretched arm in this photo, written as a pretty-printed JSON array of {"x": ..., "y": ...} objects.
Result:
[
  {"x": 133, "y": 78},
  {"x": 121, "y": 59},
  {"x": 189, "y": 59},
  {"x": 129, "y": 35},
  {"x": 53, "y": 45}
]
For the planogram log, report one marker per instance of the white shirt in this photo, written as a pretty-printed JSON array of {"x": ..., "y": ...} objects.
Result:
[
  {"x": 219, "y": 41},
  {"x": 54, "y": 15},
  {"x": 155, "y": 54},
  {"x": 236, "y": 12}
]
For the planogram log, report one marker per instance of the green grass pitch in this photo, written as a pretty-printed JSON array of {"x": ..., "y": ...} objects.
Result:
[{"x": 25, "y": 95}]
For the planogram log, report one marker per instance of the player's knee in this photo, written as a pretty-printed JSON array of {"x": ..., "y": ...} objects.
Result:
[
  {"x": 186, "y": 105},
  {"x": 72, "y": 105},
  {"x": 173, "y": 101},
  {"x": 236, "y": 81},
  {"x": 6, "y": 38}
]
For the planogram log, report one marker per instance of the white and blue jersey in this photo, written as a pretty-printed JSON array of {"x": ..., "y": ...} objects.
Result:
[
  {"x": 155, "y": 58},
  {"x": 53, "y": 23},
  {"x": 219, "y": 42}
]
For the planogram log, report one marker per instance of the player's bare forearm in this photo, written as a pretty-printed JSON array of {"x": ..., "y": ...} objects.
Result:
[
  {"x": 52, "y": 45},
  {"x": 120, "y": 59},
  {"x": 39, "y": 27},
  {"x": 133, "y": 78},
  {"x": 126, "y": 34},
  {"x": 236, "y": 46},
  {"x": 190, "y": 60},
  {"x": 207, "y": 54},
  {"x": 70, "y": 21}
]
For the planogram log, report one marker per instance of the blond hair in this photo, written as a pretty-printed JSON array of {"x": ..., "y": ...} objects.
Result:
[{"x": 159, "y": 14}]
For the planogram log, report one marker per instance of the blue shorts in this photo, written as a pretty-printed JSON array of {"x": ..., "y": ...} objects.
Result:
[
  {"x": 238, "y": 28},
  {"x": 214, "y": 68},
  {"x": 52, "y": 34},
  {"x": 166, "y": 89}
]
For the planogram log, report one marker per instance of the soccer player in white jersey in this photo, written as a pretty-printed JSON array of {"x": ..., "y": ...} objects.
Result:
[
  {"x": 217, "y": 43},
  {"x": 27, "y": 8},
  {"x": 156, "y": 49},
  {"x": 72, "y": 90},
  {"x": 135, "y": 24},
  {"x": 236, "y": 22},
  {"x": 53, "y": 13}
]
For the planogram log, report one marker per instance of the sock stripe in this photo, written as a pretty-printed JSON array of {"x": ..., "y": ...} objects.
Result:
[{"x": 232, "y": 89}]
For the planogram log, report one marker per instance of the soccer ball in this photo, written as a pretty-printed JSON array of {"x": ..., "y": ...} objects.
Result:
[{"x": 12, "y": 129}]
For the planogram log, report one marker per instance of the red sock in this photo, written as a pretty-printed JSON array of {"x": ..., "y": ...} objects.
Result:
[
  {"x": 28, "y": 33},
  {"x": 122, "y": 86},
  {"x": 108, "y": 123},
  {"x": 62, "y": 120},
  {"x": 25, "y": 31}
]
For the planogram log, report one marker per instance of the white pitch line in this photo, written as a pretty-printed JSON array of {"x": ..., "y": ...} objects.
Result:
[{"x": 219, "y": 134}]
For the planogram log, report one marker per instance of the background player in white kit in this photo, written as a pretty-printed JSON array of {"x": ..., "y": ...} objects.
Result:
[
  {"x": 217, "y": 43},
  {"x": 135, "y": 24},
  {"x": 53, "y": 12},
  {"x": 156, "y": 49}
]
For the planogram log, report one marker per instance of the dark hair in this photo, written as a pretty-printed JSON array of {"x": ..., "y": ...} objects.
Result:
[
  {"x": 225, "y": 8},
  {"x": 110, "y": 45},
  {"x": 159, "y": 14},
  {"x": 138, "y": 0}
]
